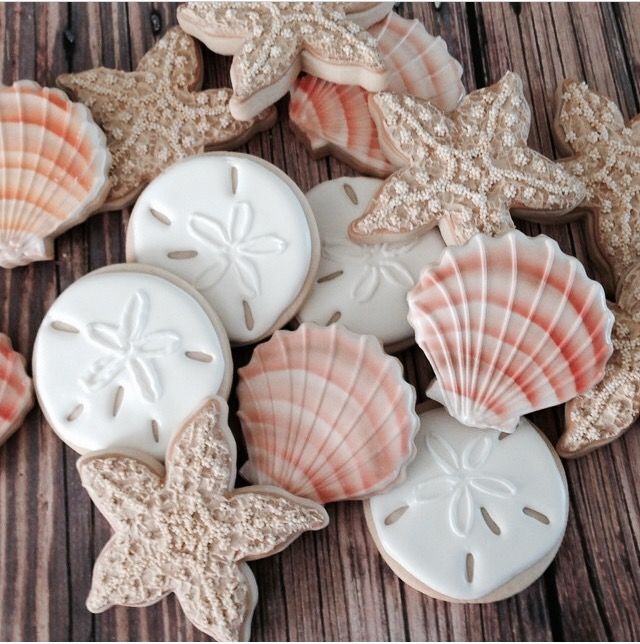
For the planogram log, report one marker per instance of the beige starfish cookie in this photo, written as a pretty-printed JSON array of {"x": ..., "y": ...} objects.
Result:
[
  {"x": 272, "y": 42},
  {"x": 606, "y": 157},
  {"x": 613, "y": 405},
  {"x": 463, "y": 171},
  {"x": 156, "y": 116},
  {"x": 187, "y": 531}
]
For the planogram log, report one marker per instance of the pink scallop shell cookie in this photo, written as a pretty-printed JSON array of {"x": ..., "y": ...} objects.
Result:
[
  {"x": 510, "y": 325},
  {"x": 335, "y": 119},
  {"x": 16, "y": 390},
  {"x": 326, "y": 414}
]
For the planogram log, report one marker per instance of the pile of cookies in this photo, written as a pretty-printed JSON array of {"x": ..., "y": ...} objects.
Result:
[{"x": 132, "y": 364}]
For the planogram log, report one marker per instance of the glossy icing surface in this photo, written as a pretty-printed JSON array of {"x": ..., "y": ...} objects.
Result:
[
  {"x": 362, "y": 286},
  {"x": 233, "y": 227},
  {"x": 475, "y": 509},
  {"x": 123, "y": 357}
]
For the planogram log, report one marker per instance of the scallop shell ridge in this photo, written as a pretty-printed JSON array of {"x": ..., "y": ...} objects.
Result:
[
  {"x": 54, "y": 165},
  {"x": 16, "y": 391},
  {"x": 510, "y": 325},
  {"x": 326, "y": 414}
]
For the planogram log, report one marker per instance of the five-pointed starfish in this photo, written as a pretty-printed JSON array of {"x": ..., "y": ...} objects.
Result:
[
  {"x": 155, "y": 116},
  {"x": 613, "y": 405},
  {"x": 188, "y": 531},
  {"x": 272, "y": 42},
  {"x": 463, "y": 171},
  {"x": 607, "y": 159}
]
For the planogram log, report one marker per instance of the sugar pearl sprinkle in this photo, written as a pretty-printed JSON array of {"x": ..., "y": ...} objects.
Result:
[
  {"x": 607, "y": 159},
  {"x": 188, "y": 533},
  {"x": 467, "y": 168},
  {"x": 276, "y": 33},
  {"x": 151, "y": 117}
]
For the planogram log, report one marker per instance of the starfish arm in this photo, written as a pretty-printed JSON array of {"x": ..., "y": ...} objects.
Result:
[
  {"x": 122, "y": 486},
  {"x": 126, "y": 573},
  {"x": 586, "y": 118},
  {"x": 530, "y": 181},
  {"x": 219, "y": 600},
  {"x": 175, "y": 59},
  {"x": 268, "y": 519},
  {"x": 202, "y": 455},
  {"x": 405, "y": 204},
  {"x": 628, "y": 299}
]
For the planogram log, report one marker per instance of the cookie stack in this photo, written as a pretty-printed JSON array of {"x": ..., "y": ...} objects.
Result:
[{"x": 133, "y": 366}]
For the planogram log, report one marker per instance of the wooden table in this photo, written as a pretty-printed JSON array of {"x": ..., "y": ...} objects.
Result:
[{"x": 330, "y": 585}]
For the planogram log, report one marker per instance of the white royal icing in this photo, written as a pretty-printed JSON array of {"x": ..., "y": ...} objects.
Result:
[
  {"x": 232, "y": 228},
  {"x": 123, "y": 358},
  {"x": 463, "y": 486},
  {"x": 362, "y": 286}
]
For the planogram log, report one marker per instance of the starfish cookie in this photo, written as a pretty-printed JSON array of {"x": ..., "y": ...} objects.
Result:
[
  {"x": 613, "y": 405},
  {"x": 272, "y": 42},
  {"x": 462, "y": 171},
  {"x": 187, "y": 531},
  {"x": 606, "y": 157},
  {"x": 156, "y": 116}
]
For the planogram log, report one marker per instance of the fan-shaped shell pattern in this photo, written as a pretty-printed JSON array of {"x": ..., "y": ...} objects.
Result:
[
  {"x": 326, "y": 414},
  {"x": 510, "y": 325},
  {"x": 54, "y": 165},
  {"x": 334, "y": 119},
  {"x": 16, "y": 391}
]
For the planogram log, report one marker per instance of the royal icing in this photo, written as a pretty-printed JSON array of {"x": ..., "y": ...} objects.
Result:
[
  {"x": 124, "y": 356},
  {"x": 476, "y": 509},
  {"x": 363, "y": 287},
  {"x": 238, "y": 230}
]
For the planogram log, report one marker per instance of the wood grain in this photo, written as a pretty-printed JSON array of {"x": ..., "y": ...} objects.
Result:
[{"x": 330, "y": 585}]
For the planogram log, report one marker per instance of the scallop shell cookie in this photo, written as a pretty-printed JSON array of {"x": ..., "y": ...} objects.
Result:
[
  {"x": 124, "y": 355},
  {"x": 480, "y": 515},
  {"x": 237, "y": 229},
  {"x": 363, "y": 286},
  {"x": 54, "y": 167}
]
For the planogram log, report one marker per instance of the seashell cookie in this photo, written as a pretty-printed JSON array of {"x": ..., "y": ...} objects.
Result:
[
  {"x": 510, "y": 325},
  {"x": 157, "y": 114},
  {"x": 237, "y": 229},
  {"x": 124, "y": 355},
  {"x": 606, "y": 157},
  {"x": 335, "y": 119},
  {"x": 325, "y": 414},
  {"x": 480, "y": 514},
  {"x": 16, "y": 390},
  {"x": 54, "y": 165},
  {"x": 185, "y": 530},
  {"x": 464, "y": 172},
  {"x": 363, "y": 286},
  {"x": 272, "y": 42}
]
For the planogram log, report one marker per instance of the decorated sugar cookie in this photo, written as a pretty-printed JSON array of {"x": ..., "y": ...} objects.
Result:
[
  {"x": 464, "y": 172},
  {"x": 124, "y": 355},
  {"x": 335, "y": 119},
  {"x": 510, "y": 325},
  {"x": 363, "y": 286},
  {"x": 606, "y": 157},
  {"x": 480, "y": 515},
  {"x": 326, "y": 414},
  {"x": 184, "y": 529},
  {"x": 237, "y": 229},
  {"x": 272, "y": 42},
  {"x": 16, "y": 390},
  {"x": 156, "y": 115},
  {"x": 54, "y": 166}
]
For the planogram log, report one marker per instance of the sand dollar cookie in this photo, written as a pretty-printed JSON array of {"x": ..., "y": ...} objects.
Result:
[
  {"x": 124, "y": 355},
  {"x": 363, "y": 286},
  {"x": 480, "y": 515},
  {"x": 237, "y": 229}
]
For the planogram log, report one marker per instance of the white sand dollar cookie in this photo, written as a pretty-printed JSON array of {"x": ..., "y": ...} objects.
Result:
[
  {"x": 124, "y": 356},
  {"x": 363, "y": 286},
  {"x": 480, "y": 515},
  {"x": 237, "y": 229}
]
